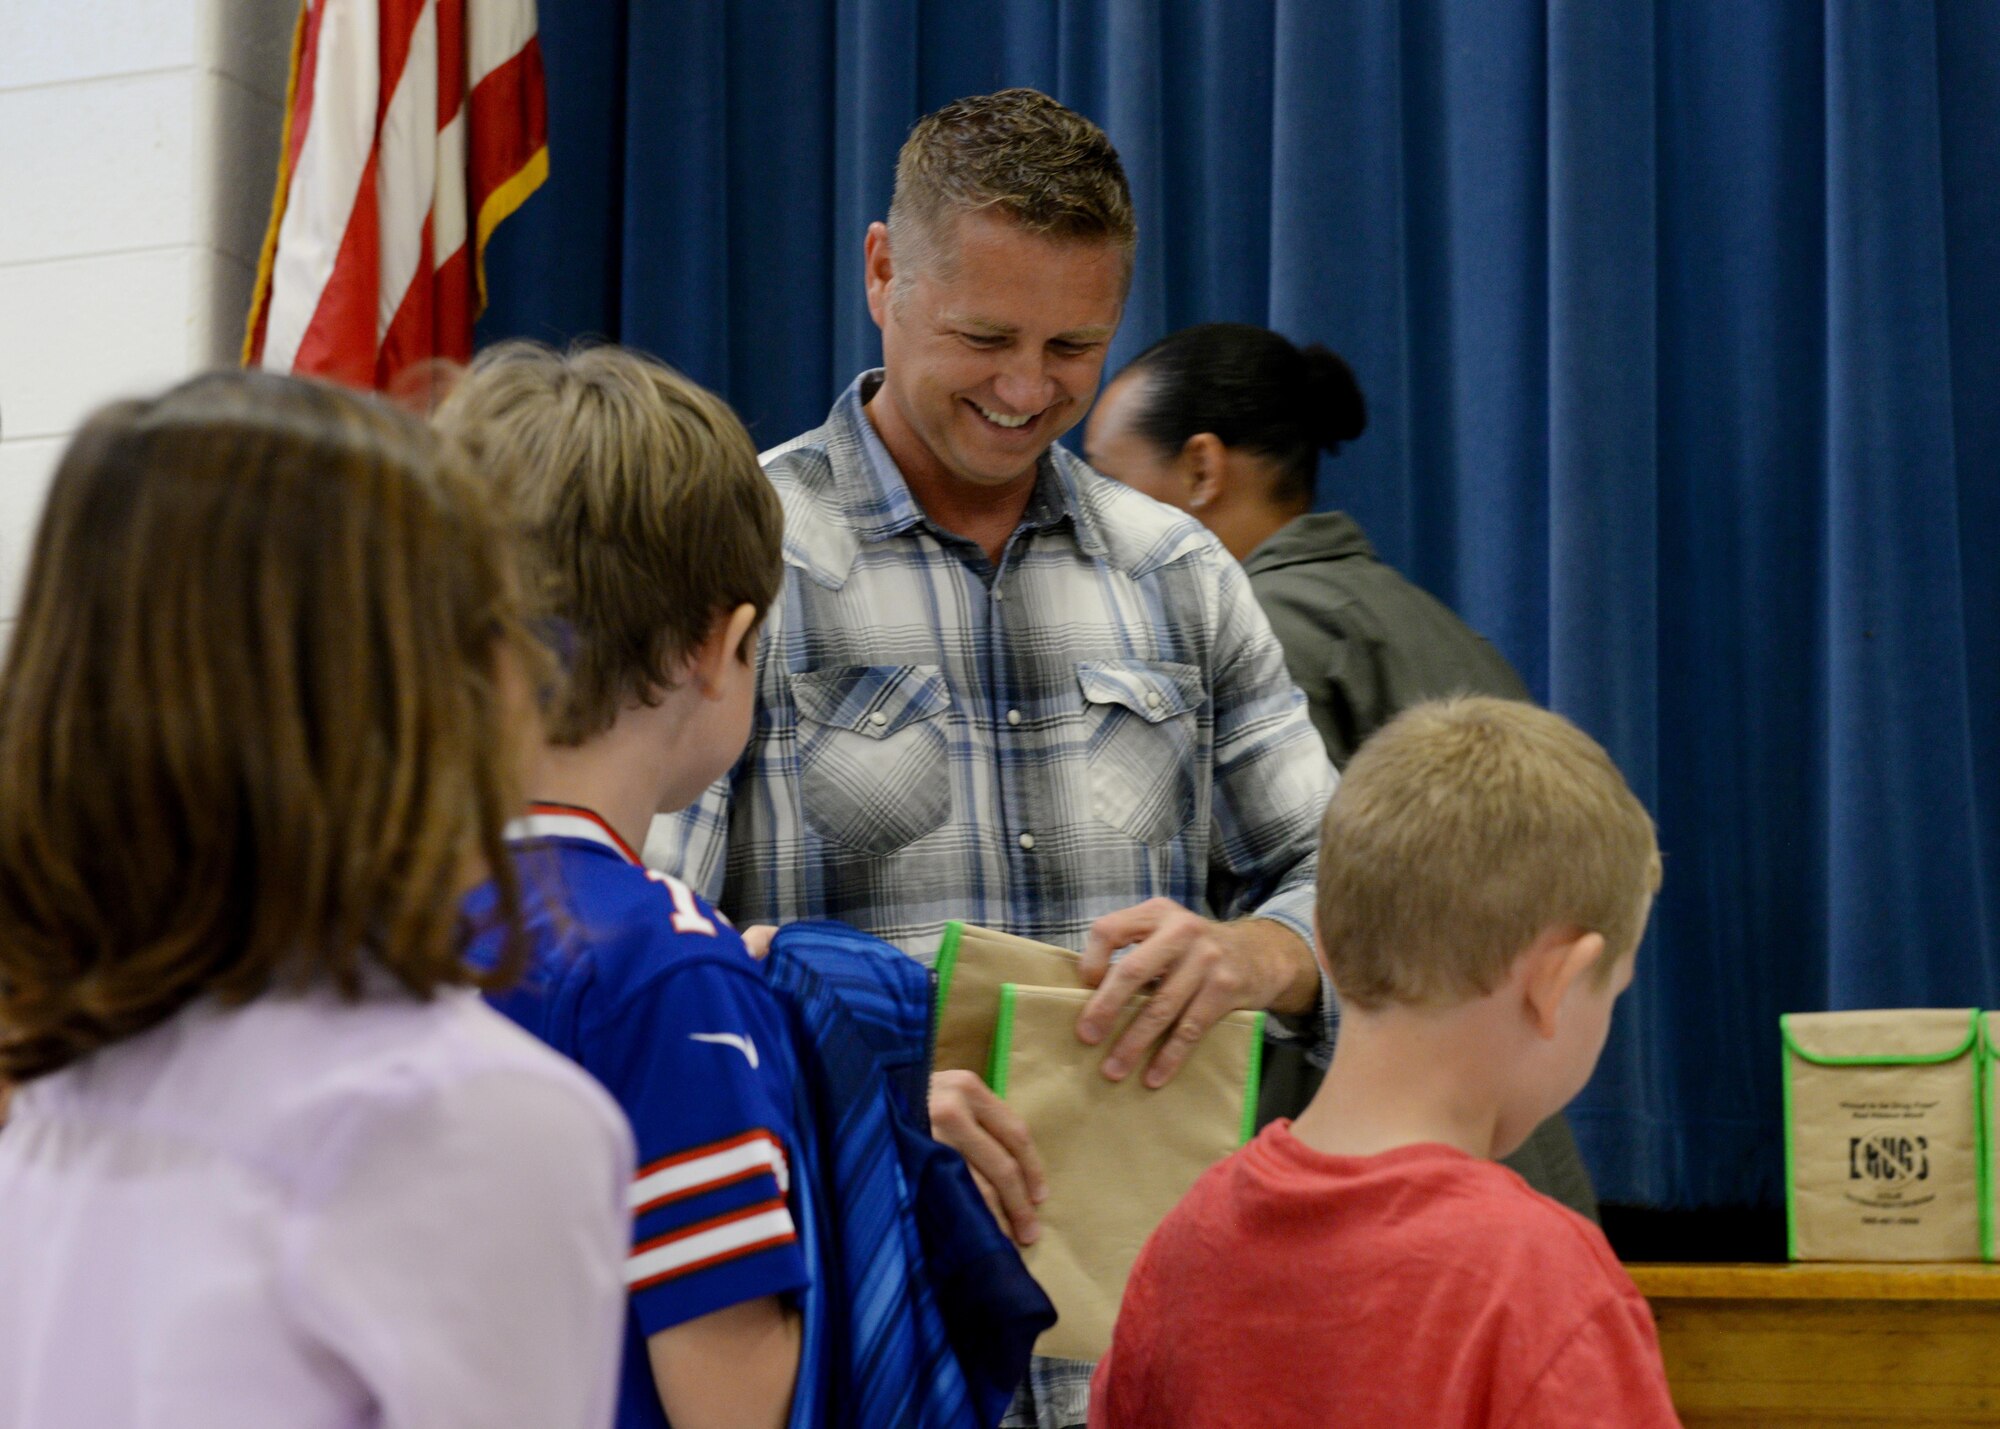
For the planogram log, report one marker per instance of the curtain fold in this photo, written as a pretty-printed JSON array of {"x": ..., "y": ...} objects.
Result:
[{"x": 1679, "y": 322}]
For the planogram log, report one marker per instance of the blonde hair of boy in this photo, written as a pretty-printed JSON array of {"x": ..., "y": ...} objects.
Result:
[
  {"x": 641, "y": 507},
  {"x": 1460, "y": 831}
]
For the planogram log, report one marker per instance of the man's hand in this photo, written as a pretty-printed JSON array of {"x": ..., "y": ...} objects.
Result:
[
  {"x": 757, "y": 939},
  {"x": 966, "y": 1116},
  {"x": 1204, "y": 971}
]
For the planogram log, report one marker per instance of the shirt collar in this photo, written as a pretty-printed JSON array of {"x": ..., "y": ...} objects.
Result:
[
  {"x": 568, "y": 821},
  {"x": 877, "y": 499}
]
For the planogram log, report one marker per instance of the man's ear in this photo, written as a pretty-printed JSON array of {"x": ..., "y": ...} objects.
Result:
[
  {"x": 1203, "y": 462},
  {"x": 1560, "y": 954},
  {"x": 721, "y": 645},
  {"x": 878, "y": 271}
]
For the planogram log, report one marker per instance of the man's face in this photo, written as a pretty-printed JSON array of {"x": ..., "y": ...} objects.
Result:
[{"x": 993, "y": 348}]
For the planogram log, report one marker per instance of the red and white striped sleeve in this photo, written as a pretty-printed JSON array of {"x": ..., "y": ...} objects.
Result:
[{"x": 707, "y": 1077}]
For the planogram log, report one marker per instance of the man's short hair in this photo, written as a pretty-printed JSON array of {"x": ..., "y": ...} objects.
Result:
[
  {"x": 643, "y": 513},
  {"x": 1019, "y": 154},
  {"x": 1461, "y": 830}
]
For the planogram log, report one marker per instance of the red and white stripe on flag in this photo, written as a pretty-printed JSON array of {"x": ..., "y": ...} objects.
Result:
[{"x": 413, "y": 128}]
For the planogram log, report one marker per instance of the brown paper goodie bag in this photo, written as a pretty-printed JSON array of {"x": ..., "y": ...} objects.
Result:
[
  {"x": 1882, "y": 1125},
  {"x": 1118, "y": 1155},
  {"x": 971, "y": 965}
]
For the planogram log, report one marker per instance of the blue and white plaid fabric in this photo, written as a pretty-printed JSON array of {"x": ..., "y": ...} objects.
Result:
[{"x": 1103, "y": 718}]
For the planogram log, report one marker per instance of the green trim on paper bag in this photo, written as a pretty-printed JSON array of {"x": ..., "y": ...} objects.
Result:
[
  {"x": 1003, "y": 1041},
  {"x": 1924, "y": 1059},
  {"x": 1791, "y": 1170},
  {"x": 1983, "y": 1060},
  {"x": 944, "y": 965},
  {"x": 1249, "y": 1126},
  {"x": 1981, "y": 1065}
]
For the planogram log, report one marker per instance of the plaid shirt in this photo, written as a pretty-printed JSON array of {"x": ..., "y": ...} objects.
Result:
[{"x": 1102, "y": 718}]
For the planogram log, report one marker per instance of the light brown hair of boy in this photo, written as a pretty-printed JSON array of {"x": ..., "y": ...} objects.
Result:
[
  {"x": 1018, "y": 154},
  {"x": 1461, "y": 830},
  {"x": 254, "y": 716},
  {"x": 641, "y": 506}
]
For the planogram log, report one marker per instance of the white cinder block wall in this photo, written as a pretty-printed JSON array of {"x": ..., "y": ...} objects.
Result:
[{"x": 138, "y": 147}]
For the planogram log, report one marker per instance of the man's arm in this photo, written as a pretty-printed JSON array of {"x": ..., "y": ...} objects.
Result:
[
  {"x": 732, "y": 1369},
  {"x": 1271, "y": 781},
  {"x": 1271, "y": 778}
]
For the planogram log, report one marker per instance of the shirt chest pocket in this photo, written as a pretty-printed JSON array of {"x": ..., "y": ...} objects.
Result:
[
  {"x": 1141, "y": 740},
  {"x": 873, "y": 768}
]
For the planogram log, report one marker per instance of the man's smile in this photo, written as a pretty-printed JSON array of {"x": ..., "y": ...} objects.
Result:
[{"x": 1006, "y": 420}]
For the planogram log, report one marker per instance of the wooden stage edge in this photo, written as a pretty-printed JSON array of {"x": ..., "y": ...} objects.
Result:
[
  {"x": 1818, "y": 1280},
  {"x": 1812, "y": 1345}
]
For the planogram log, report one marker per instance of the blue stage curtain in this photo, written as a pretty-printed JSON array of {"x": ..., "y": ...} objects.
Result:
[{"x": 1680, "y": 325}]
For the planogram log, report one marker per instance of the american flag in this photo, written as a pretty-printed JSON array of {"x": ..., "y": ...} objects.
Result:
[{"x": 412, "y": 129}]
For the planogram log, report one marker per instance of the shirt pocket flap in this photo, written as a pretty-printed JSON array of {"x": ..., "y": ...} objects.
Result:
[
  {"x": 1154, "y": 690},
  {"x": 871, "y": 700}
]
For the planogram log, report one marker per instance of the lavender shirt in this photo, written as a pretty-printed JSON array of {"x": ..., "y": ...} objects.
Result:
[{"x": 308, "y": 1213}]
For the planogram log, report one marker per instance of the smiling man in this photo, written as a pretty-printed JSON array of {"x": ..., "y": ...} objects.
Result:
[{"x": 999, "y": 687}]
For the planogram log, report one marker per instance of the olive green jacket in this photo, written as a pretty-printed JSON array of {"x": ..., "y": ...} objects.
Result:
[{"x": 1360, "y": 640}]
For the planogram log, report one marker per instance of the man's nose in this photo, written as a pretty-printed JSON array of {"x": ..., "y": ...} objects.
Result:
[{"x": 1024, "y": 385}]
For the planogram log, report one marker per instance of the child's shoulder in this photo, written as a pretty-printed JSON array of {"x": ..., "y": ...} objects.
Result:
[
  {"x": 637, "y": 925},
  {"x": 1420, "y": 1203},
  {"x": 1521, "y": 1242},
  {"x": 1544, "y": 1221},
  {"x": 623, "y": 896},
  {"x": 292, "y": 1083}
]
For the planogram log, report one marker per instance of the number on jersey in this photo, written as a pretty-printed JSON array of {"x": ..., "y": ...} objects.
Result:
[{"x": 688, "y": 918}]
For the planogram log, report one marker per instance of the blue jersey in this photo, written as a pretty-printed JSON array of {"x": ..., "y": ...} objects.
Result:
[{"x": 653, "y": 992}]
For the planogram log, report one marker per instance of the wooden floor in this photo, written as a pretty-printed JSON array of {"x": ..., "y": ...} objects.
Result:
[{"x": 1788, "y": 1346}]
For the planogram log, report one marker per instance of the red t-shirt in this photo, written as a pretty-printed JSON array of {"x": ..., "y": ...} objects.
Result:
[{"x": 1422, "y": 1287}]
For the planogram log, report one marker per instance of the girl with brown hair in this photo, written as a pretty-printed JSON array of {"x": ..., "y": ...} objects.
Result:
[{"x": 271, "y": 1159}]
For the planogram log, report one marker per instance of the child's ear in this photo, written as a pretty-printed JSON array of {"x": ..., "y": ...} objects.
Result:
[
  {"x": 723, "y": 643},
  {"x": 1550, "y": 968}
]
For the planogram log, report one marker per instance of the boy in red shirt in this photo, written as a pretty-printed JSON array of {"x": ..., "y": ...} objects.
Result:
[{"x": 1484, "y": 878}]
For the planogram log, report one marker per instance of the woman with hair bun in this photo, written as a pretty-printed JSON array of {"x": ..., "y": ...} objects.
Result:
[{"x": 1227, "y": 422}]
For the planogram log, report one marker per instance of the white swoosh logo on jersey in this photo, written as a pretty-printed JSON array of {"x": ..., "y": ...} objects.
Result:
[{"x": 729, "y": 1039}]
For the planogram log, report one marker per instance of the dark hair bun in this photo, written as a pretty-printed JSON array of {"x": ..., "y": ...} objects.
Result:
[
  {"x": 1336, "y": 412},
  {"x": 1251, "y": 388}
]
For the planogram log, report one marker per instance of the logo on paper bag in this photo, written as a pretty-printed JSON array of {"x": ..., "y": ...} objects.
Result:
[
  {"x": 1888, "y": 1159},
  {"x": 1884, "y": 1167}
]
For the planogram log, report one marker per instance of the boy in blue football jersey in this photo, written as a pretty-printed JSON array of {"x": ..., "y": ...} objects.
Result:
[{"x": 654, "y": 541}]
